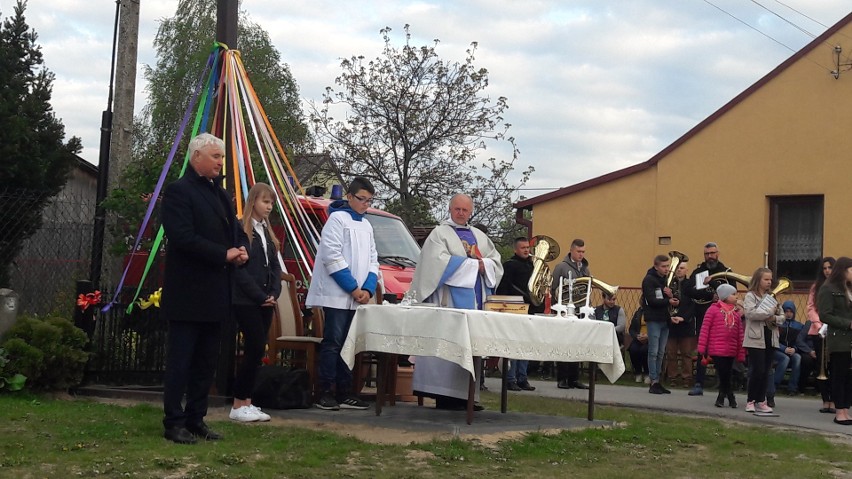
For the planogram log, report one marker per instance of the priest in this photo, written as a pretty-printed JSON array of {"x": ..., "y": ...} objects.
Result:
[{"x": 458, "y": 267}]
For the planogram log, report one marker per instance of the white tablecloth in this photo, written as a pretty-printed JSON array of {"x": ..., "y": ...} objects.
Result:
[{"x": 458, "y": 335}]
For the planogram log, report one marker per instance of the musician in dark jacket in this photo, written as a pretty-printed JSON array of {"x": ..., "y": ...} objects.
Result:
[
  {"x": 703, "y": 297},
  {"x": 258, "y": 285},
  {"x": 517, "y": 272},
  {"x": 202, "y": 248},
  {"x": 683, "y": 336},
  {"x": 657, "y": 298}
]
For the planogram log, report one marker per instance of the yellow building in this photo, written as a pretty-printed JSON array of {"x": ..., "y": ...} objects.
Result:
[{"x": 767, "y": 177}]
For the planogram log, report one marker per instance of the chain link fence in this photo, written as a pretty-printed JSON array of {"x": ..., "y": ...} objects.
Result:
[{"x": 43, "y": 255}]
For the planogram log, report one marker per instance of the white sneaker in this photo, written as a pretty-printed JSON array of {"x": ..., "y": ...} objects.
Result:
[
  {"x": 638, "y": 378},
  {"x": 762, "y": 407},
  {"x": 647, "y": 379},
  {"x": 749, "y": 406},
  {"x": 263, "y": 417},
  {"x": 244, "y": 414}
]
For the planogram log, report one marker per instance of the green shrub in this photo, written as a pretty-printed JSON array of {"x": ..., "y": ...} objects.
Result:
[
  {"x": 48, "y": 351},
  {"x": 9, "y": 380}
]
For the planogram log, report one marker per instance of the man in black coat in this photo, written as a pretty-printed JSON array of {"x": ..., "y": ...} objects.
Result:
[
  {"x": 516, "y": 277},
  {"x": 703, "y": 297},
  {"x": 201, "y": 227},
  {"x": 657, "y": 298}
]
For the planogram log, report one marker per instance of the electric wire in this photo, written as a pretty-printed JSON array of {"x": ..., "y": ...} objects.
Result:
[{"x": 789, "y": 22}]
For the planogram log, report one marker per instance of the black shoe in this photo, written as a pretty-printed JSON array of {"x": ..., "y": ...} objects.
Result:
[
  {"x": 564, "y": 384},
  {"x": 732, "y": 400},
  {"x": 179, "y": 435},
  {"x": 656, "y": 389},
  {"x": 663, "y": 389},
  {"x": 513, "y": 386},
  {"x": 327, "y": 402},
  {"x": 720, "y": 400},
  {"x": 526, "y": 386},
  {"x": 843, "y": 422},
  {"x": 579, "y": 385},
  {"x": 201, "y": 430},
  {"x": 353, "y": 402}
]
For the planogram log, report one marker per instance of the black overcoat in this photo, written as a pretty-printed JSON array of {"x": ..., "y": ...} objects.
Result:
[{"x": 201, "y": 226}]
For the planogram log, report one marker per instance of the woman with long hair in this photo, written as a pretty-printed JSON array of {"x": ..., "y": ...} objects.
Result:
[
  {"x": 763, "y": 316},
  {"x": 834, "y": 303},
  {"x": 813, "y": 336},
  {"x": 258, "y": 285}
]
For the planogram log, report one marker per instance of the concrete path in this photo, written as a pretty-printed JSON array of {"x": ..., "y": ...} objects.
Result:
[{"x": 800, "y": 412}]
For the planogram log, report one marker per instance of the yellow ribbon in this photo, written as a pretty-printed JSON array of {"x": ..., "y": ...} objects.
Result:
[{"x": 153, "y": 300}]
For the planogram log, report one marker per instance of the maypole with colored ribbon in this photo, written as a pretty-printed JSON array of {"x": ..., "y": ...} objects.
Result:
[{"x": 224, "y": 92}]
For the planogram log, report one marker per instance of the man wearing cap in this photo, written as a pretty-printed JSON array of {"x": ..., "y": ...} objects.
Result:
[{"x": 703, "y": 295}]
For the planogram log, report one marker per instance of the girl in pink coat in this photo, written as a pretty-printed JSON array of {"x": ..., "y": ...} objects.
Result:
[{"x": 721, "y": 338}]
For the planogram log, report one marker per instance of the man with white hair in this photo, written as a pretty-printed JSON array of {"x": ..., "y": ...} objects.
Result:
[
  {"x": 458, "y": 267},
  {"x": 202, "y": 249}
]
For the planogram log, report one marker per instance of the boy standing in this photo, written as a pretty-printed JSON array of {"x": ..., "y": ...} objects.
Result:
[{"x": 345, "y": 275}]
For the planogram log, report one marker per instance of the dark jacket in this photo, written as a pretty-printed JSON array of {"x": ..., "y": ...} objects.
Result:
[
  {"x": 703, "y": 297},
  {"x": 789, "y": 331},
  {"x": 804, "y": 342},
  {"x": 515, "y": 282},
  {"x": 201, "y": 226},
  {"x": 655, "y": 302},
  {"x": 835, "y": 311},
  {"x": 255, "y": 280}
]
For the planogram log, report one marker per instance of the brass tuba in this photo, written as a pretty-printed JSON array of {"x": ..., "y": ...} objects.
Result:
[
  {"x": 784, "y": 285},
  {"x": 582, "y": 288},
  {"x": 731, "y": 278},
  {"x": 674, "y": 284},
  {"x": 543, "y": 250}
]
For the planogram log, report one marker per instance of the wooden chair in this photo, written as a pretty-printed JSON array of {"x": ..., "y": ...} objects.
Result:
[
  {"x": 366, "y": 362},
  {"x": 287, "y": 332}
]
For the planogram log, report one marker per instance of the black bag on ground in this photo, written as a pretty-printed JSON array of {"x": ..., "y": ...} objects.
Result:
[{"x": 278, "y": 387}]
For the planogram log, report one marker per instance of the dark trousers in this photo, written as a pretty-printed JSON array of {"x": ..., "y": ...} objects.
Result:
[
  {"x": 332, "y": 369},
  {"x": 759, "y": 361},
  {"x": 568, "y": 372},
  {"x": 639, "y": 357},
  {"x": 724, "y": 366},
  {"x": 841, "y": 380},
  {"x": 191, "y": 357},
  {"x": 254, "y": 322}
]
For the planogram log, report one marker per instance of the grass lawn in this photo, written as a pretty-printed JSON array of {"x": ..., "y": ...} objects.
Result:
[{"x": 45, "y": 437}]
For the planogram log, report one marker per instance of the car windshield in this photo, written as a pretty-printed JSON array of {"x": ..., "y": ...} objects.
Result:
[{"x": 394, "y": 243}]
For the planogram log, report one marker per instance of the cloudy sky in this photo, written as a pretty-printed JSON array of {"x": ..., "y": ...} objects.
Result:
[{"x": 593, "y": 85}]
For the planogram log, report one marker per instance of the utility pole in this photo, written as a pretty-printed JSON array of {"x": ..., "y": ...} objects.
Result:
[{"x": 227, "y": 12}]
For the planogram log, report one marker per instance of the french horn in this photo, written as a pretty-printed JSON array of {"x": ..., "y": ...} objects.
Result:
[{"x": 543, "y": 249}]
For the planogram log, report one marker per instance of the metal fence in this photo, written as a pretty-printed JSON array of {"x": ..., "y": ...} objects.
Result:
[{"x": 44, "y": 266}]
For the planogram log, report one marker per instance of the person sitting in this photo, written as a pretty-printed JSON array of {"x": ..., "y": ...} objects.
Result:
[
  {"x": 609, "y": 311},
  {"x": 786, "y": 355},
  {"x": 638, "y": 347}
]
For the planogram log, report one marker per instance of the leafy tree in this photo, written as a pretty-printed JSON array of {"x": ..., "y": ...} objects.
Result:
[
  {"x": 183, "y": 44},
  {"x": 416, "y": 126},
  {"x": 34, "y": 159}
]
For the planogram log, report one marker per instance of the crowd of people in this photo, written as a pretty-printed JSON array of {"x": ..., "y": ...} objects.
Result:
[{"x": 217, "y": 264}]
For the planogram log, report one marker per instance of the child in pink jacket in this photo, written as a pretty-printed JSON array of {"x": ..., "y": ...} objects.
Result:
[{"x": 721, "y": 338}]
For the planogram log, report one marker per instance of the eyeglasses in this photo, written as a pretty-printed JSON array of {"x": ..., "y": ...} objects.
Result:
[{"x": 366, "y": 201}]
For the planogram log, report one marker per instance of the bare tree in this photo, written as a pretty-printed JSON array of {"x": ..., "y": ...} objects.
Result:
[{"x": 417, "y": 126}]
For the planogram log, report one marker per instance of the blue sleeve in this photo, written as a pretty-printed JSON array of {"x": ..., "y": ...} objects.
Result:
[
  {"x": 345, "y": 280},
  {"x": 370, "y": 284}
]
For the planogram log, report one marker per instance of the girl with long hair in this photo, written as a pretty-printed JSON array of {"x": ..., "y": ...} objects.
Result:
[
  {"x": 763, "y": 316},
  {"x": 825, "y": 267},
  {"x": 258, "y": 285},
  {"x": 834, "y": 302}
]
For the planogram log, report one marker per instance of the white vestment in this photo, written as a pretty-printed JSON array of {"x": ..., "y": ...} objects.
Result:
[{"x": 434, "y": 375}]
